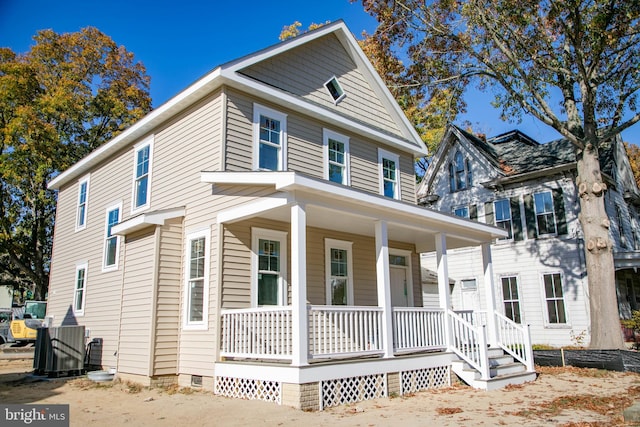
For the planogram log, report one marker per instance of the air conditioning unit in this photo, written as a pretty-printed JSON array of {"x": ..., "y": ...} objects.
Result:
[{"x": 59, "y": 350}]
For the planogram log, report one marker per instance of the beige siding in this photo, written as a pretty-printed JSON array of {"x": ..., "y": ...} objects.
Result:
[
  {"x": 137, "y": 304},
  {"x": 167, "y": 318},
  {"x": 303, "y": 72}
]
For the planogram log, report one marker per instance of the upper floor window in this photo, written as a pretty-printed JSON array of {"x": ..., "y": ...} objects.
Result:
[
  {"x": 623, "y": 239},
  {"x": 80, "y": 289},
  {"x": 389, "y": 174},
  {"x": 545, "y": 217},
  {"x": 460, "y": 175},
  {"x": 502, "y": 210},
  {"x": 197, "y": 271},
  {"x": 554, "y": 296},
  {"x": 269, "y": 137},
  {"x": 269, "y": 267},
  {"x": 83, "y": 197},
  {"x": 336, "y": 154},
  {"x": 111, "y": 241},
  {"x": 335, "y": 90},
  {"x": 339, "y": 272},
  {"x": 142, "y": 175},
  {"x": 462, "y": 212}
]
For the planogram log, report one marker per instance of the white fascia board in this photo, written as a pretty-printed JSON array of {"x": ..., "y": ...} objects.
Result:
[
  {"x": 182, "y": 100},
  {"x": 253, "y": 208},
  {"x": 146, "y": 219}
]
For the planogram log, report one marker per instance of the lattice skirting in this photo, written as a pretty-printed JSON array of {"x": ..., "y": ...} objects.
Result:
[
  {"x": 269, "y": 391},
  {"x": 423, "y": 379},
  {"x": 354, "y": 389}
]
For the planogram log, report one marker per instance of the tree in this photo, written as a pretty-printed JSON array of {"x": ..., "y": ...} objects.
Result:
[
  {"x": 66, "y": 96},
  {"x": 572, "y": 64},
  {"x": 633, "y": 152}
]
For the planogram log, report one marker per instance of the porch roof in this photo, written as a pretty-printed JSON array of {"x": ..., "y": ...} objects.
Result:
[
  {"x": 626, "y": 259},
  {"x": 336, "y": 207}
]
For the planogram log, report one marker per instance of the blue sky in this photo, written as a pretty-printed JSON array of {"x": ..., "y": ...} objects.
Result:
[{"x": 179, "y": 42}]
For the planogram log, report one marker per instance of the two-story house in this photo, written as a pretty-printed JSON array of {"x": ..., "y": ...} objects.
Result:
[
  {"x": 258, "y": 235},
  {"x": 528, "y": 189}
]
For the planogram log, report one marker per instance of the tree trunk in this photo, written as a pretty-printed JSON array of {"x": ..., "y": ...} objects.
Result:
[{"x": 603, "y": 304}]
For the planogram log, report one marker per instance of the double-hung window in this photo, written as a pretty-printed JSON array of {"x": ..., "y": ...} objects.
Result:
[
  {"x": 545, "y": 216},
  {"x": 389, "y": 174},
  {"x": 197, "y": 276},
  {"x": 80, "y": 289},
  {"x": 142, "y": 175},
  {"x": 269, "y": 267},
  {"x": 111, "y": 241},
  {"x": 460, "y": 175},
  {"x": 554, "y": 297},
  {"x": 83, "y": 197},
  {"x": 502, "y": 210},
  {"x": 510, "y": 298},
  {"x": 269, "y": 139},
  {"x": 462, "y": 212},
  {"x": 336, "y": 155},
  {"x": 339, "y": 272}
]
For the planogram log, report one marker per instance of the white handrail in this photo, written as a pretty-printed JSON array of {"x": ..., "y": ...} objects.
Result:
[
  {"x": 416, "y": 328},
  {"x": 470, "y": 343},
  {"x": 515, "y": 339}
]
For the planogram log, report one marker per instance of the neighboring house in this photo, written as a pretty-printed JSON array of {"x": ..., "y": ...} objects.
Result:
[
  {"x": 258, "y": 235},
  {"x": 528, "y": 189}
]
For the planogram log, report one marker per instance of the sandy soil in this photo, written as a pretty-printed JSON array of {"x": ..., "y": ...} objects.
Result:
[{"x": 559, "y": 397}]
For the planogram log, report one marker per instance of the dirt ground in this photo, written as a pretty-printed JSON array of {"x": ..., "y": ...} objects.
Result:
[{"x": 559, "y": 397}]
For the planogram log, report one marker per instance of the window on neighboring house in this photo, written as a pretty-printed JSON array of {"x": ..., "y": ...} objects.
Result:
[
  {"x": 460, "y": 175},
  {"x": 142, "y": 175},
  {"x": 389, "y": 174},
  {"x": 545, "y": 218},
  {"x": 339, "y": 272},
  {"x": 511, "y": 298},
  {"x": 462, "y": 212},
  {"x": 83, "y": 195},
  {"x": 269, "y": 252},
  {"x": 335, "y": 89},
  {"x": 197, "y": 273},
  {"x": 623, "y": 239},
  {"x": 554, "y": 296},
  {"x": 80, "y": 289},
  {"x": 502, "y": 210},
  {"x": 336, "y": 154},
  {"x": 112, "y": 241},
  {"x": 269, "y": 139}
]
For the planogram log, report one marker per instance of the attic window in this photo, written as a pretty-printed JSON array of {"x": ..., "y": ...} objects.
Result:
[{"x": 335, "y": 90}]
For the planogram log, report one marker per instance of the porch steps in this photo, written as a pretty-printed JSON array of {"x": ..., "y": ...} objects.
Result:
[{"x": 503, "y": 371}]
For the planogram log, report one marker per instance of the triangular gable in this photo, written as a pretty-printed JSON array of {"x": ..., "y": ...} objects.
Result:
[{"x": 295, "y": 71}]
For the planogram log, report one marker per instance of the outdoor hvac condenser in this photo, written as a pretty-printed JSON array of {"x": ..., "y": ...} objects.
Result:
[{"x": 59, "y": 349}]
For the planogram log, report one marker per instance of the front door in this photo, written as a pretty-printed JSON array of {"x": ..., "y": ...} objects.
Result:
[{"x": 399, "y": 288}]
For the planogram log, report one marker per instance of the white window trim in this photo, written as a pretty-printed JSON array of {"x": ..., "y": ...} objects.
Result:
[
  {"x": 407, "y": 254},
  {"x": 281, "y": 236},
  {"x": 344, "y": 245},
  {"x": 105, "y": 267},
  {"x": 204, "y": 323},
  {"x": 553, "y": 212},
  {"x": 259, "y": 110},
  {"x": 518, "y": 287},
  {"x": 80, "y": 266},
  {"x": 384, "y": 154},
  {"x": 495, "y": 222},
  {"x": 149, "y": 141},
  {"x": 326, "y": 86},
  {"x": 329, "y": 134},
  {"x": 547, "y": 323},
  {"x": 87, "y": 180}
]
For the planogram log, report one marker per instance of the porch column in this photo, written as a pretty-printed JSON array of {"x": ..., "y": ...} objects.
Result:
[
  {"x": 384, "y": 286},
  {"x": 443, "y": 283},
  {"x": 300, "y": 317},
  {"x": 490, "y": 292}
]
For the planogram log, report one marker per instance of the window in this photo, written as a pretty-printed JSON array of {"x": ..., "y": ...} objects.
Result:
[
  {"x": 555, "y": 298},
  {"x": 462, "y": 212},
  {"x": 511, "y": 299},
  {"x": 335, "y": 90},
  {"x": 460, "y": 175},
  {"x": 623, "y": 239},
  {"x": 389, "y": 174},
  {"x": 469, "y": 284},
  {"x": 142, "y": 175},
  {"x": 270, "y": 266},
  {"x": 80, "y": 289},
  {"x": 503, "y": 216},
  {"x": 545, "y": 218},
  {"x": 339, "y": 272},
  {"x": 269, "y": 139},
  {"x": 336, "y": 155},
  {"x": 112, "y": 241},
  {"x": 197, "y": 274},
  {"x": 83, "y": 195}
]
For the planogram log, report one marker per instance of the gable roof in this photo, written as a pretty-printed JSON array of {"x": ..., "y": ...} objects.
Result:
[{"x": 230, "y": 74}]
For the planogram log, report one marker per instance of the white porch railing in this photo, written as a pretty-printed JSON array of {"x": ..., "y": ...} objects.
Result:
[
  {"x": 416, "y": 328},
  {"x": 470, "y": 343},
  {"x": 344, "y": 331},
  {"x": 515, "y": 340},
  {"x": 475, "y": 317},
  {"x": 263, "y": 332}
]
